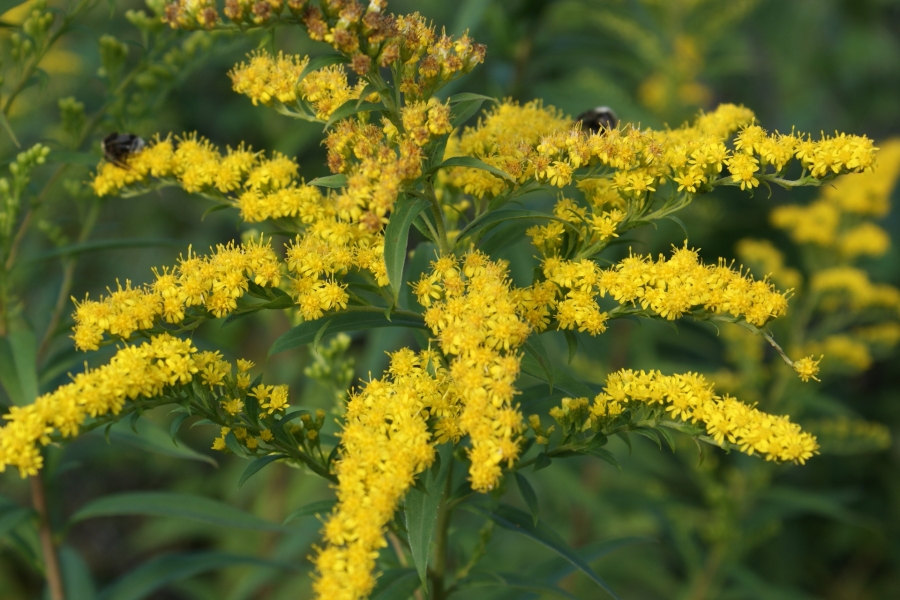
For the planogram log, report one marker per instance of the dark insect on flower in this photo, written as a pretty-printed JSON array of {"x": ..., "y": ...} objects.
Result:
[
  {"x": 117, "y": 147},
  {"x": 597, "y": 119}
]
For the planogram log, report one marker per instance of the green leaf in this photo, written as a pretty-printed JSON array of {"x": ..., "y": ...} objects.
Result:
[
  {"x": 571, "y": 343},
  {"x": 650, "y": 434},
  {"x": 258, "y": 464},
  {"x": 152, "y": 438},
  {"x": 23, "y": 348},
  {"x": 163, "y": 570},
  {"x": 352, "y": 319},
  {"x": 557, "y": 569},
  {"x": 76, "y": 575},
  {"x": 535, "y": 348},
  {"x": 396, "y": 238},
  {"x": 605, "y": 455},
  {"x": 496, "y": 217},
  {"x": 330, "y": 181},
  {"x": 9, "y": 377},
  {"x": 176, "y": 425},
  {"x": 473, "y": 163},
  {"x": 561, "y": 380},
  {"x": 171, "y": 504},
  {"x": 511, "y": 581},
  {"x": 786, "y": 501},
  {"x": 529, "y": 496},
  {"x": 513, "y": 519},
  {"x": 320, "y": 62},
  {"x": 541, "y": 461},
  {"x": 464, "y": 106},
  {"x": 11, "y": 516},
  {"x": 232, "y": 443},
  {"x": 680, "y": 223},
  {"x": 313, "y": 508},
  {"x": 421, "y": 509},
  {"x": 9, "y": 130},
  {"x": 101, "y": 245},
  {"x": 396, "y": 584},
  {"x": 350, "y": 108}
]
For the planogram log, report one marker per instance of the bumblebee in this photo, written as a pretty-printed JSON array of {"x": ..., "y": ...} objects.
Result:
[
  {"x": 597, "y": 119},
  {"x": 117, "y": 147}
]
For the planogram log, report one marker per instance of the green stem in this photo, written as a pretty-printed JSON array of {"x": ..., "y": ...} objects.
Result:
[
  {"x": 52, "y": 572},
  {"x": 438, "y": 573}
]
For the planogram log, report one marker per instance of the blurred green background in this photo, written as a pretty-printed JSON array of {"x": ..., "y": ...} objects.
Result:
[{"x": 810, "y": 64}]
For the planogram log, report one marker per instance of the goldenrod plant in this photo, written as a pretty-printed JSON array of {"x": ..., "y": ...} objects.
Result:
[{"x": 427, "y": 191}]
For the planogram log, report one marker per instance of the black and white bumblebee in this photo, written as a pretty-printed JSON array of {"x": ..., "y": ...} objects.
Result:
[
  {"x": 117, "y": 147},
  {"x": 598, "y": 119}
]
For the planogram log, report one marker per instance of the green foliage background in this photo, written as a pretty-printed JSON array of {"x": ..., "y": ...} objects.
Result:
[{"x": 827, "y": 530}]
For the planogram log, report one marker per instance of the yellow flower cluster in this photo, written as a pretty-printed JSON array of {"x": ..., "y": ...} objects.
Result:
[
  {"x": 476, "y": 318},
  {"x": 535, "y": 142},
  {"x": 594, "y": 224},
  {"x": 851, "y": 287},
  {"x": 266, "y": 78},
  {"x": 134, "y": 372},
  {"x": 214, "y": 282},
  {"x": 834, "y": 220},
  {"x": 690, "y": 398},
  {"x": 384, "y": 444},
  {"x": 668, "y": 287},
  {"x": 369, "y": 36},
  {"x": 198, "y": 166}
]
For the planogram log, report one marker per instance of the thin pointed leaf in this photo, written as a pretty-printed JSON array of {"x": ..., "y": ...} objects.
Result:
[
  {"x": 471, "y": 162},
  {"x": 314, "y": 508},
  {"x": 163, "y": 570},
  {"x": 605, "y": 455},
  {"x": 77, "y": 580},
  {"x": 535, "y": 347},
  {"x": 9, "y": 377},
  {"x": 330, "y": 181},
  {"x": 513, "y": 519},
  {"x": 496, "y": 217},
  {"x": 512, "y": 581},
  {"x": 352, "y": 319},
  {"x": 650, "y": 434},
  {"x": 350, "y": 108},
  {"x": 11, "y": 516},
  {"x": 170, "y": 504},
  {"x": 258, "y": 464},
  {"x": 571, "y": 343},
  {"x": 529, "y": 496},
  {"x": 151, "y": 438},
  {"x": 176, "y": 425},
  {"x": 396, "y": 238},
  {"x": 232, "y": 443},
  {"x": 421, "y": 511},
  {"x": 23, "y": 346},
  {"x": 102, "y": 245},
  {"x": 320, "y": 62},
  {"x": 9, "y": 130},
  {"x": 396, "y": 584}
]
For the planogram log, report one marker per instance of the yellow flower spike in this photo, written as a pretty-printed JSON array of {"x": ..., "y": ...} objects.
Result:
[
  {"x": 690, "y": 398},
  {"x": 807, "y": 368}
]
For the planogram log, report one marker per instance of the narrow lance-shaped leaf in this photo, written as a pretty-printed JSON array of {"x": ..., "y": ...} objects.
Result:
[
  {"x": 396, "y": 237},
  {"x": 163, "y": 570},
  {"x": 421, "y": 510},
  {"x": 170, "y": 504},
  {"x": 352, "y": 319},
  {"x": 513, "y": 519}
]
